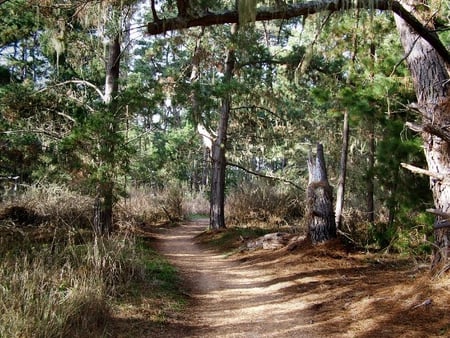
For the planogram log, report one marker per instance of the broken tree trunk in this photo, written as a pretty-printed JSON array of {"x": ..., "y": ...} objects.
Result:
[{"x": 320, "y": 215}]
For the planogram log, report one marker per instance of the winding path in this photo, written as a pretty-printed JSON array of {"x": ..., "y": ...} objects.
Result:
[{"x": 232, "y": 298}]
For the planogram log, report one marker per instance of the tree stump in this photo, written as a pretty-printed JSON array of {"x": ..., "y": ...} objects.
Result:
[{"x": 320, "y": 214}]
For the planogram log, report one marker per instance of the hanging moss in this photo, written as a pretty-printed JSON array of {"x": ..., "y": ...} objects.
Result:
[{"x": 247, "y": 11}]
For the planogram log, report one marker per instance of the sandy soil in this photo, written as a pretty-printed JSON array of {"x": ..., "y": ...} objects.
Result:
[{"x": 320, "y": 291}]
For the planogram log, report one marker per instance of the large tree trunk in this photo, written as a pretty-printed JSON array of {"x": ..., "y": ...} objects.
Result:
[
  {"x": 431, "y": 82},
  {"x": 217, "y": 203},
  {"x": 343, "y": 172},
  {"x": 320, "y": 215}
]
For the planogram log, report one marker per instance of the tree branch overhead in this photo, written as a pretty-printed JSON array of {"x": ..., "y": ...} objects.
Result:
[{"x": 304, "y": 9}]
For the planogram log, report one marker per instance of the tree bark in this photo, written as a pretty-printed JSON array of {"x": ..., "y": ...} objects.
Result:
[
  {"x": 431, "y": 82},
  {"x": 112, "y": 70},
  {"x": 217, "y": 202},
  {"x": 343, "y": 172},
  {"x": 370, "y": 175},
  {"x": 320, "y": 215},
  {"x": 103, "y": 214}
]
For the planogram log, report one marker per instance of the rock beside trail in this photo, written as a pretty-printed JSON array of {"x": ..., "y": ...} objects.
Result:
[{"x": 272, "y": 241}]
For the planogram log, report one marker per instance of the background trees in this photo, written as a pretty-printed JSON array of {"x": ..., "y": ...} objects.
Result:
[{"x": 292, "y": 82}]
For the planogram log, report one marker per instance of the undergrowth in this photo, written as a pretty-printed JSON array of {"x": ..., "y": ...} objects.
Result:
[
  {"x": 263, "y": 205},
  {"x": 169, "y": 205},
  {"x": 58, "y": 280}
]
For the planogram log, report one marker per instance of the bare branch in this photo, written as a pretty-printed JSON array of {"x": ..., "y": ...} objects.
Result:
[
  {"x": 430, "y": 129},
  {"x": 420, "y": 171},
  {"x": 440, "y": 213},
  {"x": 155, "y": 16},
  {"x": 255, "y": 107},
  {"x": 82, "y": 82},
  {"x": 414, "y": 127},
  {"x": 265, "y": 176}
]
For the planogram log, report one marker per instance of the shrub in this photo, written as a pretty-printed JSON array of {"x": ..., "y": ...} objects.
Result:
[
  {"x": 406, "y": 235},
  {"x": 149, "y": 207}
]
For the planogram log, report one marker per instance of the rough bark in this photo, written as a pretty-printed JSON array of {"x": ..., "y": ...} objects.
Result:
[
  {"x": 217, "y": 202},
  {"x": 430, "y": 77},
  {"x": 343, "y": 172},
  {"x": 320, "y": 215}
]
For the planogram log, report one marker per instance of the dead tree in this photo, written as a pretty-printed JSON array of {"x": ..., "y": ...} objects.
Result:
[{"x": 320, "y": 214}]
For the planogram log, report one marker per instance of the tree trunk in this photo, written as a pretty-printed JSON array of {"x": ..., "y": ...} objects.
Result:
[
  {"x": 320, "y": 215},
  {"x": 343, "y": 172},
  {"x": 431, "y": 83},
  {"x": 217, "y": 202},
  {"x": 103, "y": 215},
  {"x": 370, "y": 175},
  {"x": 112, "y": 70}
]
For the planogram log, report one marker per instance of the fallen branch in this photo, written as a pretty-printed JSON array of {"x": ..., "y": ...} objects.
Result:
[{"x": 426, "y": 302}]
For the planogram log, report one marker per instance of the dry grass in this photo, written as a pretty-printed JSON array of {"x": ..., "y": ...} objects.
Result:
[
  {"x": 56, "y": 278},
  {"x": 195, "y": 203},
  {"x": 64, "y": 291},
  {"x": 149, "y": 207},
  {"x": 263, "y": 205}
]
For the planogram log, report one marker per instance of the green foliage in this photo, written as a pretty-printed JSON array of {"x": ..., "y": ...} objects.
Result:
[
  {"x": 19, "y": 19},
  {"x": 168, "y": 157}
]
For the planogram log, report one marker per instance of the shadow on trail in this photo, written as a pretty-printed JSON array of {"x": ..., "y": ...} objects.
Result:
[{"x": 282, "y": 294}]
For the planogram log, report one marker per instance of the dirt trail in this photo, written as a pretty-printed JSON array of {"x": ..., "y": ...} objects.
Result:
[
  {"x": 310, "y": 293},
  {"x": 232, "y": 299}
]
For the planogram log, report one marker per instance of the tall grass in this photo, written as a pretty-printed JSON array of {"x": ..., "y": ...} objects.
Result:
[
  {"x": 64, "y": 291},
  {"x": 263, "y": 204},
  {"x": 172, "y": 204},
  {"x": 52, "y": 285}
]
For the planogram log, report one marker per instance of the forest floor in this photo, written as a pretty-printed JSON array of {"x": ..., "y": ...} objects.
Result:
[{"x": 321, "y": 291}]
